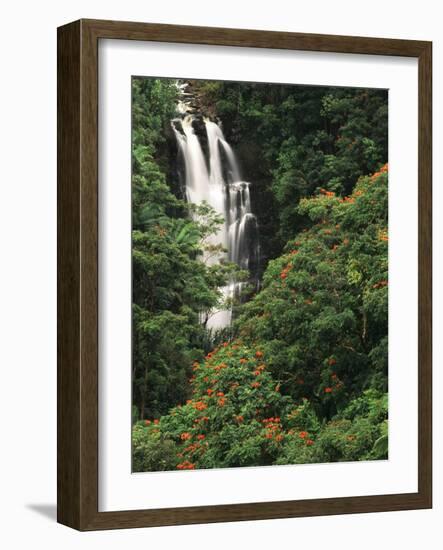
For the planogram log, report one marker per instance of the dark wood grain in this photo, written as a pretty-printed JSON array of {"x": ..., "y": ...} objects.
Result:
[
  {"x": 68, "y": 276},
  {"x": 254, "y": 38},
  {"x": 78, "y": 269},
  {"x": 425, "y": 273}
]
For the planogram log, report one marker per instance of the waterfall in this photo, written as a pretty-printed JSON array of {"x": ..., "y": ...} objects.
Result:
[{"x": 219, "y": 183}]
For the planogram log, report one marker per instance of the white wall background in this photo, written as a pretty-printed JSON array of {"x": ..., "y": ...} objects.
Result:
[{"x": 28, "y": 272}]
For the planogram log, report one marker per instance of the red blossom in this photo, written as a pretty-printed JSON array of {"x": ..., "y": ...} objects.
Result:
[{"x": 186, "y": 465}]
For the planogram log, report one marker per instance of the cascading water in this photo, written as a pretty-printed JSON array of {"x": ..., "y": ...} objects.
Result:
[{"x": 221, "y": 186}]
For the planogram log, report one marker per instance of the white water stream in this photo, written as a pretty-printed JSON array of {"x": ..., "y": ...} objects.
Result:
[{"x": 221, "y": 186}]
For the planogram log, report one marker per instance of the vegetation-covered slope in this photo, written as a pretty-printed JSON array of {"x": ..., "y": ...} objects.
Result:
[
  {"x": 302, "y": 375},
  {"x": 305, "y": 381}
]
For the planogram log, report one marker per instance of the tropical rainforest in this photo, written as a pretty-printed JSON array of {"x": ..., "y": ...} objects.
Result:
[{"x": 300, "y": 372}]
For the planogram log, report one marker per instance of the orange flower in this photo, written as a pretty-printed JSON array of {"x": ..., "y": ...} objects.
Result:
[
  {"x": 309, "y": 442},
  {"x": 209, "y": 391},
  {"x": 255, "y": 385},
  {"x": 186, "y": 465},
  {"x": 279, "y": 437},
  {"x": 218, "y": 368},
  {"x": 200, "y": 406},
  {"x": 382, "y": 170},
  {"x": 220, "y": 394},
  {"x": 156, "y": 421},
  {"x": 200, "y": 437},
  {"x": 185, "y": 436},
  {"x": 239, "y": 418},
  {"x": 243, "y": 360},
  {"x": 328, "y": 390},
  {"x": 349, "y": 200},
  {"x": 303, "y": 434},
  {"x": 332, "y": 361},
  {"x": 259, "y": 354},
  {"x": 257, "y": 372},
  {"x": 221, "y": 401},
  {"x": 147, "y": 422}
]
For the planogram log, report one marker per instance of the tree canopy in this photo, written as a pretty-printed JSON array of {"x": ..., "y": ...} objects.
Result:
[{"x": 301, "y": 375}]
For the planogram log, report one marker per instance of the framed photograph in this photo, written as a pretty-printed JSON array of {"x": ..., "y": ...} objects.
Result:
[{"x": 244, "y": 275}]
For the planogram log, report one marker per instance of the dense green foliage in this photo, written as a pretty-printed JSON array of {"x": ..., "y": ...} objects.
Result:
[
  {"x": 302, "y": 376},
  {"x": 306, "y": 137},
  {"x": 238, "y": 416},
  {"x": 171, "y": 286},
  {"x": 322, "y": 312}
]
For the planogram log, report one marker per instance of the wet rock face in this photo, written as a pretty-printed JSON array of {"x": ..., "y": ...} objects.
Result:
[
  {"x": 199, "y": 126},
  {"x": 195, "y": 101}
]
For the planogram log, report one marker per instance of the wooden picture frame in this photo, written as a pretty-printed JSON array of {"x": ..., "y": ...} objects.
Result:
[{"x": 78, "y": 274}]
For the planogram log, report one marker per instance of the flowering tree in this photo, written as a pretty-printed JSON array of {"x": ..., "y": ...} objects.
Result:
[{"x": 305, "y": 379}]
